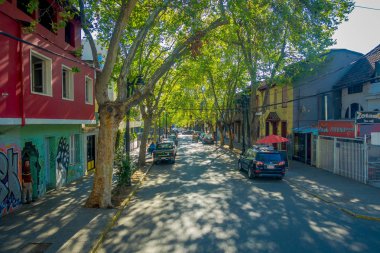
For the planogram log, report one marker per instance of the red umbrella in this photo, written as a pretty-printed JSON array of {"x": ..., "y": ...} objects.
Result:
[{"x": 270, "y": 139}]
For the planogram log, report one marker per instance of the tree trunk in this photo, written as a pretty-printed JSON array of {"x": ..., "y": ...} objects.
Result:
[
  {"x": 100, "y": 196},
  {"x": 231, "y": 138},
  {"x": 220, "y": 128},
  {"x": 144, "y": 140}
]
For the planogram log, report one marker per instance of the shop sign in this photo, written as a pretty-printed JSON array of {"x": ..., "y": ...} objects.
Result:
[
  {"x": 345, "y": 129},
  {"x": 367, "y": 117},
  {"x": 364, "y": 129}
]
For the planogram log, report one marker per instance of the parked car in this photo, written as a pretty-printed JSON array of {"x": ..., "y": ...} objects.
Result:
[
  {"x": 165, "y": 151},
  {"x": 173, "y": 138},
  {"x": 208, "y": 139},
  {"x": 262, "y": 163},
  {"x": 188, "y": 132}
]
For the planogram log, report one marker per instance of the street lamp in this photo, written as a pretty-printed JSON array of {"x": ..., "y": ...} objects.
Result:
[
  {"x": 244, "y": 101},
  {"x": 137, "y": 81}
]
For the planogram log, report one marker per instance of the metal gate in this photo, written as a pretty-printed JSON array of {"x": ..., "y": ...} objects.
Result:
[
  {"x": 325, "y": 153},
  {"x": 345, "y": 157}
]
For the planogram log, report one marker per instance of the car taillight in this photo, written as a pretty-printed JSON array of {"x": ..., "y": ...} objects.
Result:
[
  {"x": 259, "y": 163},
  {"x": 281, "y": 163}
]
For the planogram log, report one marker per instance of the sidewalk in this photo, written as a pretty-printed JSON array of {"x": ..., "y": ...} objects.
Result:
[
  {"x": 353, "y": 198},
  {"x": 58, "y": 222}
]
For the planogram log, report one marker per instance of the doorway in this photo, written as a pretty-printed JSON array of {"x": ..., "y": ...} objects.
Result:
[
  {"x": 49, "y": 163},
  {"x": 90, "y": 152}
]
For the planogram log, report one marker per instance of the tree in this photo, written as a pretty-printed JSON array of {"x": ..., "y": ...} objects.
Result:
[
  {"x": 125, "y": 30},
  {"x": 275, "y": 33}
]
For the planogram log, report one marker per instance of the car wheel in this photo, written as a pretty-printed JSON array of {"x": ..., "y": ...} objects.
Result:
[{"x": 250, "y": 174}]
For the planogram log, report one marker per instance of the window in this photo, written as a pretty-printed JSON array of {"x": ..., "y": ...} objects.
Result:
[
  {"x": 352, "y": 109},
  {"x": 75, "y": 148},
  {"x": 23, "y": 6},
  {"x": 69, "y": 34},
  {"x": 67, "y": 83},
  {"x": 47, "y": 14},
  {"x": 284, "y": 97},
  {"x": 355, "y": 89},
  {"x": 40, "y": 74},
  {"x": 89, "y": 91},
  {"x": 275, "y": 99}
]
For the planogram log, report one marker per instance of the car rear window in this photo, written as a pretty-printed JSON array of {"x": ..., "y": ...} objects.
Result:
[
  {"x": 268, "y": 157},
  {"x": 164, "y": 145}
]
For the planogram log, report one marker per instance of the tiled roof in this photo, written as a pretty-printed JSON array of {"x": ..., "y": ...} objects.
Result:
[
  {"x": 273, "y": 116},
  {"x": 362, "y": 70}
]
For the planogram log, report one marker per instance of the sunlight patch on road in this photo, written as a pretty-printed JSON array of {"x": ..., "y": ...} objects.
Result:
[{"x": 330, "y": 230}]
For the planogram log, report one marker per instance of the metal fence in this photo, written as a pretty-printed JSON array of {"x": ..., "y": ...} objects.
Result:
[
  {"x": 373, "y": 163},
  {"x": 345, "y": 157}
]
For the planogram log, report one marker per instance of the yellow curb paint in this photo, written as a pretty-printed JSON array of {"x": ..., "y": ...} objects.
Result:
[
  {"x": 116, "y": 216},
  {"x": 344, "y": 210}
]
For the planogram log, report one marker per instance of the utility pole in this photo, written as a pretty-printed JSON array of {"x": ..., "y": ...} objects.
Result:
[
  {"x": 243, "y": 125},
  {"x": 166, "y": 124}
]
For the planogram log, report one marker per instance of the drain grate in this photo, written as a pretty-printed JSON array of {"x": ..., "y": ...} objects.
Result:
[{"x": 36, "y": 247}]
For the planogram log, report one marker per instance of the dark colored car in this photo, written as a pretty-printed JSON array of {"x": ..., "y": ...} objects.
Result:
[
  {"x": 165, "y": 151},
  {"x": 262, "y": 163},
  {"x": 173, "y": 138},
  {"x": 208, "y": 139}
]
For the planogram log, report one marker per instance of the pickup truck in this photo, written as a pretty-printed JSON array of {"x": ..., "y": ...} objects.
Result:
[{"x": 165, "y": 151}]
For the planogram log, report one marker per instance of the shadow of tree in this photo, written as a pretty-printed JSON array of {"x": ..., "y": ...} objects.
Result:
[{"x": 204, "y": 204}]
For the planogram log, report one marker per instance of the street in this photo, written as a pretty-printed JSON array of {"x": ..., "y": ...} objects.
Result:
[{"x": 202, "y": 203}]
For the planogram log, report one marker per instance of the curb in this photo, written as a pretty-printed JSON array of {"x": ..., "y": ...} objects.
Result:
[
  {"x": 343, "y": 209},
  {"x": 116, "y": 216}
]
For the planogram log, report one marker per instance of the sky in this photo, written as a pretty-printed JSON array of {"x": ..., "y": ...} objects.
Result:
[{"x": 361, "y": 32}]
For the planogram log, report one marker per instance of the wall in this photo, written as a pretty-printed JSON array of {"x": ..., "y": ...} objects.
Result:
[
  {"x": 47, "y": 148},
  {"x": 285, "y": 113},
  {"x": 348, "y": 99}
]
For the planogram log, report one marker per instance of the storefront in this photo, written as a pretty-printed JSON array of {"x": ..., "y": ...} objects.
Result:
[{"x": 304, "y": 144}]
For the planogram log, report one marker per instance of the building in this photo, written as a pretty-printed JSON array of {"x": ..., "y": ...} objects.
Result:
[
  {"x": 46, "y": 95},
  {"x": 359, "y": 89},
  {"x": 316, "y": 99},
  {"x": 277, "y": 117}
]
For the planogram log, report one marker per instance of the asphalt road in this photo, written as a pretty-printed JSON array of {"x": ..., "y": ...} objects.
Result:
[{"x": 202, "y": 203}]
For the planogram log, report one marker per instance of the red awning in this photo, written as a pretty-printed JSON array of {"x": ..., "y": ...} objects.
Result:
[{"x": 272, "y": 139}]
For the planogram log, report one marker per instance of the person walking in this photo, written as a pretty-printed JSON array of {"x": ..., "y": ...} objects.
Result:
[{"x": 26, "y": 183}]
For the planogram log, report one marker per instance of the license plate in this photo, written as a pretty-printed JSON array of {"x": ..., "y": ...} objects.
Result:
[{"x": 270, "y": 166}]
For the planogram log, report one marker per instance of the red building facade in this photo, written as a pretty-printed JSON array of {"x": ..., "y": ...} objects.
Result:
[{"x": 41, "y": 79}]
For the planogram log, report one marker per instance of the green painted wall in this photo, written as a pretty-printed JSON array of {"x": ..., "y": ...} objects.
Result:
[{"x": 48, "y": 149}]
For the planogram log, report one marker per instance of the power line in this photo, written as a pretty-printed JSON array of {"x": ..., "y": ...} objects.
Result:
[{"x": 368, "y": 8}]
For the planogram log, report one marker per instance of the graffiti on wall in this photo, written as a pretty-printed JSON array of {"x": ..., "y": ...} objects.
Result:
[
  {"x": 10, "y": 188},
  {"x": 62, "y": 162},
  {"x": 30, "y": 152}
]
